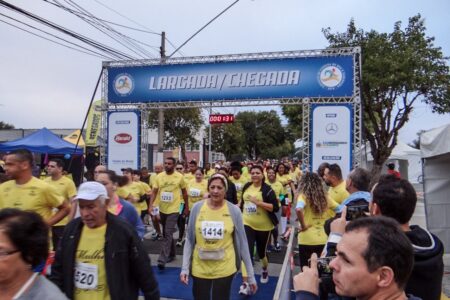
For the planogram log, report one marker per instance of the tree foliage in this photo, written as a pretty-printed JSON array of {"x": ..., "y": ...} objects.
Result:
[
  {"x": 294, "y": 114},
  {"x": 265, "y": 137},
  {"x": 4, "y": 125},
  {"x": 180, "y": 127},
  {"x": 228, "y": 139},
  {"x": 398, "y": 69}
]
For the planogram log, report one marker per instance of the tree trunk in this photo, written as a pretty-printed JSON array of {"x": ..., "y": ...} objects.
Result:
[
  {"x": 183, "y": 153},
  {"x": 375, "y": 173}
]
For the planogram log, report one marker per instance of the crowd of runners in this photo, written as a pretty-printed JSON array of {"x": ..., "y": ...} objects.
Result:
[{"x": 226, "y": 214}]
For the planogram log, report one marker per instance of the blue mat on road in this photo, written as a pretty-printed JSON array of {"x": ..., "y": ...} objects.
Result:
[{"x": 171, "y": 287}]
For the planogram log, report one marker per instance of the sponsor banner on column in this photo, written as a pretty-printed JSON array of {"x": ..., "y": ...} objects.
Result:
[
  {"x": 123, "y": 140},
  {"x": 332, "y": 135}
]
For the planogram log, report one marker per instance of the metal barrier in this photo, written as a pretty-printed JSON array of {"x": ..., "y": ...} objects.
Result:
[{"x": 284, "y": 284}]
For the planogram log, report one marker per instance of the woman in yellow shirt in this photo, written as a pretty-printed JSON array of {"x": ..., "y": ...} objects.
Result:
[
  {"x": 215, "y": 245},
  {"x": 197, "y": 188},
  {"x": 277, "y": 187},
  {"x": 259, "y": 205},
  {"x": 289, "y": 190},
  {"x": 313, "y": 209}
]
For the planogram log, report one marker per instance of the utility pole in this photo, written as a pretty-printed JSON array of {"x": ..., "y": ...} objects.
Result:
[{"x": 160, "y": 154}]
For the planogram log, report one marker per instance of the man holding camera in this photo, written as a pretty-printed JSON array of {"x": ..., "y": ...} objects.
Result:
[
  {"x": 396, "y": 198},
  {"x": 374, "y": 260}
]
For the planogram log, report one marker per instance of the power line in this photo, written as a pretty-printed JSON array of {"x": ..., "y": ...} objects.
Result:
[
  {"x": 204, "y": 26},
  {"x": 79, "y": 14},
  {"x": 53, "y": 35},
  {"x": 142, "y": 26},
  {"x": 38, "y": 35},
  {"x": 123, "y": 16},
  {"x": 116, "y": 53},
  {"x": 118, "y": 37}
]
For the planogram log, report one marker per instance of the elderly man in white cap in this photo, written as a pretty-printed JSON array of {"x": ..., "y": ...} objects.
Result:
[{"x": 100, "y": 255}]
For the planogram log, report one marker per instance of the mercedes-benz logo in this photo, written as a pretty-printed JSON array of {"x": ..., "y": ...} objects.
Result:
[{"x": 331, "y": 128}]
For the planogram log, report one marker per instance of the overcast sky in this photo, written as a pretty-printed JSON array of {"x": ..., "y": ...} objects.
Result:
[{"x": 43, "y": 84}]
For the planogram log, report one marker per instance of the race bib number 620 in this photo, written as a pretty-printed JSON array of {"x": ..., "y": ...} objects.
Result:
[{"x": 86, "y": 276}]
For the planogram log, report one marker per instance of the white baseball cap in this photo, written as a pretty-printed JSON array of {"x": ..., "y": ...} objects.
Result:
[{"x": 91, "y": 190}]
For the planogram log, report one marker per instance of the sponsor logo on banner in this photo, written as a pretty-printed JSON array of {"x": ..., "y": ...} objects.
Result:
[
  {"x": 123, "y": 84},
  {"x": 331, "y": 76},
  {"x": 122, "y": 138},
  {"x": 121, "y": 122},
  {"x": 331, "y": 128}
]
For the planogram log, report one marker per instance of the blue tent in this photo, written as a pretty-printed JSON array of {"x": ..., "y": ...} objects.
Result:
[{"x": 42, "y": 141}]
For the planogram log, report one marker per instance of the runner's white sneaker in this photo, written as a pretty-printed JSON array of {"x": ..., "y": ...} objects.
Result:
[{"x": 264, "y": 276}]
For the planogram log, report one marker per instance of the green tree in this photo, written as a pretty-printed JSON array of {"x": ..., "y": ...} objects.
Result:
[
  {"x": 228, "y": 139},
  {"x": 294, "y": 114},
  {"x": 180, "y": 127},
  {"x": 4, "y": 125},
  {"x": 265, "y": 137},
  {"x": 398, "y": 70}
]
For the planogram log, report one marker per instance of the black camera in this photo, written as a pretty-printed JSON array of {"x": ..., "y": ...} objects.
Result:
[
  {"x": 357, "y": 211},
  {"x": 323, "y": 266}
]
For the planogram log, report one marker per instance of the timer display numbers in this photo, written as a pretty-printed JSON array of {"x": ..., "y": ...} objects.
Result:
[{"x": 219, "y": 118}]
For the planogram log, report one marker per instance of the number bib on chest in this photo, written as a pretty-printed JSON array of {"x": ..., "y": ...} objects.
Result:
[
  {"x": 212, "y": 230},
  {"x": 238, "y": 187},
  {"x": 194, "y": 192},
  {"x": 166, "y": 196},
  {"x": 250, "y": 208},
  {"x": 86, "y": 276}
]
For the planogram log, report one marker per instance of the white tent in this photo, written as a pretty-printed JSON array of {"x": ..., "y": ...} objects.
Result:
[
  {"x": 407, "y": 160},
  {"x": 435, "y": 148}
]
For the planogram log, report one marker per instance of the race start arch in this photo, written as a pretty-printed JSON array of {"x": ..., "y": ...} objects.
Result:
[{"x": 325, "y": 82}]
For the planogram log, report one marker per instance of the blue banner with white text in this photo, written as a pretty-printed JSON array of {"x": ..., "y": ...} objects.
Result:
[{"x": 257, "y": 79}]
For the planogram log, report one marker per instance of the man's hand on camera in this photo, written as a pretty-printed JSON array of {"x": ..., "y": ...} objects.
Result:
[
  {"x": 308, "y": 280},
  {"x": 338, "y": 225}
]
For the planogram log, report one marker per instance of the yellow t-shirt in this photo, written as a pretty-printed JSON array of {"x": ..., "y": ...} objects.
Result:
[
  {"x": 338, "y": 193},
  {"x": 66, "y": 188},
  {"x": 277, "y": 187},
  {"x": 209, "y": 173},
  {"x": 90, "y": 272},
  {"x": 254, "y": 216},
  {"x": 196, "y": 191},
  {"x": 284, "y": 180},
  {"x": 239, "y": 184},
  {"x": 123, "y": 192},
  {"x": 315, "y": 235},
  {"x": 138, "y": 189},
  {"x": 152, "y": 179},
  {"x": 295, "y": 175},
  {"x": 35, "y": 195},
  {"x": 169, "y": 191},
  {"x": 188, "y": 176},
  {"x": 213, "y": 231}
]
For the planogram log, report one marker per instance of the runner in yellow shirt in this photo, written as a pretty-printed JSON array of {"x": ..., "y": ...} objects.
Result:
[
  {"x": 168, "y": 188},
  {"x": 154, "y": 213},
  {"x": 277, "y": 187},
  {"x": 26, "y": 192},
  {"x": 285, "y": 179},
  {"x": 259, "y": 205},
  {"x": 65, "y": 188},
  {"x": 239, "y": 182},
  {"x": 197, "y": 188},
  {"x": 313, "y": 209},
  {"x": 208, "y": 171},
  {"x": 333, "y": 178},
  {"x": 144, "y": 192}
]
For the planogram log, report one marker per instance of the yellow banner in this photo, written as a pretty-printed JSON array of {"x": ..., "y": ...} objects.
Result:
[{"x": 93, "y": 124}]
